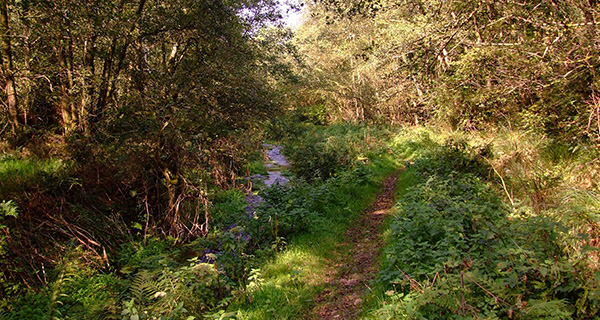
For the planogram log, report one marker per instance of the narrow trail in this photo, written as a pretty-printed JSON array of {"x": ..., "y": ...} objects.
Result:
[{"x": 351, "y": 270}]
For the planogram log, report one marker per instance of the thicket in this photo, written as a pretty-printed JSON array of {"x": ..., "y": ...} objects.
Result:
[
  {"x": 146, "y": 107},
  {"x": 285, "y": 287},
  {"x": 462, "y": 64},
  {"x": 150, "y": 276},
  {"x": 319, "y": 153},
  {"x": 123, "y": 121},
  {"x": 469, "y": 240}
]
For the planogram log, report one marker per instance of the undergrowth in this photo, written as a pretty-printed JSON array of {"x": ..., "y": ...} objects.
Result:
[
  {"x": 321, "y": 152},
  {"x": 285, "y": 287},
  {"x": 477, "y": 235},
  {"x": 151, "y": 277},
  {"x": 320, "y": 212},
  {"x": 487, "y": 226},
  {"x": 18, "y": 173}
]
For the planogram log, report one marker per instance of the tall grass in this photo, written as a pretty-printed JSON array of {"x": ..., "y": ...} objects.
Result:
[
  {"x": 551, "y": 178},
  {"x": 15, "y": 172}
]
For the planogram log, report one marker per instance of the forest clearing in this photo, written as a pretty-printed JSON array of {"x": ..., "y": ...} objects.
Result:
[{"x": 200, "y": 159}]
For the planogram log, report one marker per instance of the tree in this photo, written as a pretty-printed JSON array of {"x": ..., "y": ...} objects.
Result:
[
  {"x": 468, "y": 63},
  {"x": 156, "y": 103},
  {"x": 8, "y": 69}
]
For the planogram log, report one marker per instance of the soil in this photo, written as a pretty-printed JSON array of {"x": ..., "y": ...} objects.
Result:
[{"x": 352, "y": 269}]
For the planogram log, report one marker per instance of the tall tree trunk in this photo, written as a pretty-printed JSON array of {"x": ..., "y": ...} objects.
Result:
[
  {"x": 7, "y": 66},
  {"x": 115, "y": 62},
  {"x": 25, "y": 82},
  {"x": 87, "y": 87},
  {"x": 67, "y": 108}
]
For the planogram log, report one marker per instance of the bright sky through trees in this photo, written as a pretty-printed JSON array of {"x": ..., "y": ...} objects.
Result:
[{"x": 292, "y": 17}]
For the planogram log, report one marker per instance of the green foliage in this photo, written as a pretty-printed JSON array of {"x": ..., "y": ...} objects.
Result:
[
  {"x": 147, "y": 254},
  {"x": 17, "y": 174},
  {"x": 76, "y": 290},
  {"x": 157, "y": 281},
  {"x": 413, "y": 143},
  {"x": 285, "y": 287},
  {"x": 33, "y": 306},
  {"x": 321, "y": 157},
  {"x": 316, "y": 114},
  {"x": 8, "y": 208},
  {"x": 454, "y": 157},
  {"x": 439, "y": 221},
  {"x": 465, "y": 64},
  {"x": 256, "y": 167},
  {"x": 321, "y": 154},
  {"x": 456, "y": 252},
  {"x": 163, "y": 278},
  {"x": 172, "y": 293},
  {"x": 288, "y": 210},
  {"x": 169, "y": 116},
  {"x": 229, "y": 208}
]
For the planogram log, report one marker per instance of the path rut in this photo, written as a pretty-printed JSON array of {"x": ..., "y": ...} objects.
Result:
[{"x": 348, "y": 277}]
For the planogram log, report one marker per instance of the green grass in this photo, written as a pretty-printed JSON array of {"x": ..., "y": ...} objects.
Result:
[
  {"x": 16, "y": 173},
  {"x": 286, "y": 286},
  {"x": 256, "y": 167},
  {"x": 11, "y": 167}
]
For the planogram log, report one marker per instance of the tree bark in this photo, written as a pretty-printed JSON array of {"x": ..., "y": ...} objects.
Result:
[
  {"x": 67, "y": 108},
  {"x": 86, "y": 82},
  {"x": 7, "y": 66}
]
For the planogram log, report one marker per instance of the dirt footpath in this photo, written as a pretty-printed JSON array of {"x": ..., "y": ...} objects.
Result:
[{"x": 350, "y": 273}]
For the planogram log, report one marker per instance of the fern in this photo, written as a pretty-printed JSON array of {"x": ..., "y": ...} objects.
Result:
[
  {"x": 144, "y": 286},
  {"x": 550, "y": 310},
  {"x": 157, "y": 293},
  {"x": 65, "y": 274}
]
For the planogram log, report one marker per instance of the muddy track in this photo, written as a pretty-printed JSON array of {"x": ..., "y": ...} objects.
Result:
[{"x": 350, "y": 272}]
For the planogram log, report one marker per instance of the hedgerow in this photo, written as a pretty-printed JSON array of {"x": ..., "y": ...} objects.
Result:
[{"x": 457, "y": 252}]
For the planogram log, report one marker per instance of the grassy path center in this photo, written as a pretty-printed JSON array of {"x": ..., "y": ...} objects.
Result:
[{"x": 354, "y": 263}]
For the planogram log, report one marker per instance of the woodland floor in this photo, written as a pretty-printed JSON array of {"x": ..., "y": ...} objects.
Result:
[{"x": 354, "y": 263}]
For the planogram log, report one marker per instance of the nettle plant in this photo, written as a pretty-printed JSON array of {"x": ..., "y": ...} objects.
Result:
[{"x": 457, "y": 252}]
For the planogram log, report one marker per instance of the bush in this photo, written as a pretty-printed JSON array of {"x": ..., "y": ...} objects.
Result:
[
  {"x": 321, "y": 154},
  {"x": 456, "y": 252}
]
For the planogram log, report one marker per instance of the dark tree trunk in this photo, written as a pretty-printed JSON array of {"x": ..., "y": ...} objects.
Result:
[{"x": 8, "y": 72}]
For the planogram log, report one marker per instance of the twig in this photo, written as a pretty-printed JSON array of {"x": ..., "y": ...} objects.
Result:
[
  {"x": 412, "y": 281},
  {"x": 512, "y": 202},
  {"x": 463, "y": 303},
  {"x": 486, "y": 290}
]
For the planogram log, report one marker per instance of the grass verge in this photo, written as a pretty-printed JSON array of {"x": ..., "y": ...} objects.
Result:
[{"x": 284, "y": 287}]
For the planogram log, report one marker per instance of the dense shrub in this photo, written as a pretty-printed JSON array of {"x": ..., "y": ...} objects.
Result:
[
  {"x": 456, "y": 251},
  {"x": 321, "y": 153}
]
